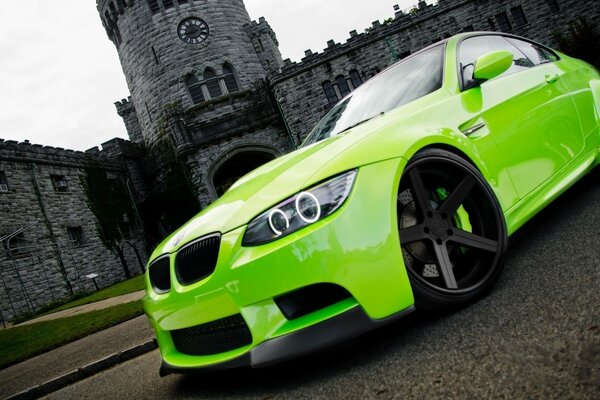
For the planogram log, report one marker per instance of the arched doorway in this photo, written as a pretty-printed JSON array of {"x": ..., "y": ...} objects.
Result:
[{"x": 236, "y": 165}]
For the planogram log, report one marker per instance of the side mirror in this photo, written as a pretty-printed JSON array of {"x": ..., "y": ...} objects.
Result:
[{"x": 491, "y": 65}]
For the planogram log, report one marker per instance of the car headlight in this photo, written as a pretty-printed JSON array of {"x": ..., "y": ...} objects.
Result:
[{"x": 300, "y": 210}]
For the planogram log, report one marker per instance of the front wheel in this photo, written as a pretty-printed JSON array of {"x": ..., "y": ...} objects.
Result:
[{"x": 452, "y": 230}]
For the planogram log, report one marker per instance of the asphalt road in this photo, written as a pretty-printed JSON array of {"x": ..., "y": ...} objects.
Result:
[{"x": 536, "y": 335}]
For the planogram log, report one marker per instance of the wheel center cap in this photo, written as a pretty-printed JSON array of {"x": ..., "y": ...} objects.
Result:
[{"x": 438, "y": 227}]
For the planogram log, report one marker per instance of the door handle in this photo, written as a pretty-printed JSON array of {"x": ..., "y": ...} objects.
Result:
[{"x": 551, "y": 78}]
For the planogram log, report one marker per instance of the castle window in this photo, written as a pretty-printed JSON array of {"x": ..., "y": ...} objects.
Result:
[
  {"x": 60, "y": 183},
  {"x": 3, "y": 183},
  {"x": 229, "y": 79},
  {"x": 503, "y": 22},
  {"x": 121, "y": 6},
  {"x": 553, "y": 4},
  {"x": 518, "y": 15},
  {"x": 168, "y": 4},
  {"x": 113, "y": 10},
  {"x": 195, "y": 89},
  {"x": 332, "y": 96},
  {"x": 492, "y": 24},
  {"x": 17, "y": 245},
  {"x": 76, "y": 236},
  {"x": 212, "y": 83},
  {"x": 154, "y": 7},
  {"x": 355, "y": 79},
  {"x": 342, "y": 85}
]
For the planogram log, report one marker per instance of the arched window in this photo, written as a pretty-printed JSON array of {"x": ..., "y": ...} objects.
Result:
[
  {"x": 342, "y": 85},
  {"x": 332, "y": 97},
  {"x": 121, "y": 6},
  {"x": 229, "y": 78},
  {"x": 355, "y": 78},
  {"x": 113, "y": 10},
  {"x": 195, "y": 89},
  {"x": 154, "y": 7},
  {"x": 108, "y": 19},
  {"x": 212, "y": 83}
]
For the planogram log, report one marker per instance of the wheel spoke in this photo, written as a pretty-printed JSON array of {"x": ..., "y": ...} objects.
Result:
[
  {"x": 412, "y": 234},
  {"x": 458, "y": 195},
  {"x": 472, "y": 240},
  {"x": 445, "y": 266},
  {"x": 419, "y": 192}
]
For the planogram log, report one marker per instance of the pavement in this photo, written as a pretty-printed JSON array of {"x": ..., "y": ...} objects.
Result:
[
  {"x": 77, "y": 360},
  {"x": 98, "y": 305}
]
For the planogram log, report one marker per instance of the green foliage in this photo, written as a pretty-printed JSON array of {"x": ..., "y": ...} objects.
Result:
[
  {"x": 580, "y": 41},
  {"x": 22, "y": 342},
  {"x": 109, "y": 201}
]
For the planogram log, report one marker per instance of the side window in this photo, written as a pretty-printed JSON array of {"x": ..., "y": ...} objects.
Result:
[
  {"x": 537, "y": 54},
  {"x": 475, "y": 47}
]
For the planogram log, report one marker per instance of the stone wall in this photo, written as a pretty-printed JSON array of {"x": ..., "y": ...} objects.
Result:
[
  {"x": 43, "y": 263},
  {"x": 299, "y": 87}
]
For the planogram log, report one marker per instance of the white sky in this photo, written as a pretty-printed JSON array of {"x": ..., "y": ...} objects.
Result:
[{"x": 60, "y": 75}]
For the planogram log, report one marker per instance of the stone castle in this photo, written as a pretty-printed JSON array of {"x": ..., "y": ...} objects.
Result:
[{"x": 211, "y": 99}]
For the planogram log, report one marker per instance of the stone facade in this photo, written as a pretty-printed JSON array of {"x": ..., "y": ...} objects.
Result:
[{"x": 56, "y": 242}]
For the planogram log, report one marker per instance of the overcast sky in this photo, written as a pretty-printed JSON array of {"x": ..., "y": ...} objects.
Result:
[{"x": 60, "y": 75}]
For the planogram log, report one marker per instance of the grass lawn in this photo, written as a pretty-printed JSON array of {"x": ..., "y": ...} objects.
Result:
[
  {"x": 121, "y": 288},
  {"x": 23, "y": 342},
  {"x": 125, "y": 287}
]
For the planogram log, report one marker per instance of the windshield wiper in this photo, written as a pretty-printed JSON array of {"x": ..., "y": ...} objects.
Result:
[{"x": 359, "y": 123}]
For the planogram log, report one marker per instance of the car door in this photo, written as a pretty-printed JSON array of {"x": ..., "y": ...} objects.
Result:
[{"x": 528, "y": 111}]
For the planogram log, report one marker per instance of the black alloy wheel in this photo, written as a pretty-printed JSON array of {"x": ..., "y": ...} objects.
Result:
[{"x": 452, "y": 230}]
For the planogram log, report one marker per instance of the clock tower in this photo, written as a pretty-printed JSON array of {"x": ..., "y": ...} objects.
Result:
[{"x": 198, "y": 73}]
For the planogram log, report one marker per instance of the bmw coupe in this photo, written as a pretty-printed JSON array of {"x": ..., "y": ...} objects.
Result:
[{"x": 403, "y": 197}]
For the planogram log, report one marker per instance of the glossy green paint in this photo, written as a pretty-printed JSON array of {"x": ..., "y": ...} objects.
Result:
[
  {"x": 531, "y": 134},
  {"x": 493, "y": 64}
]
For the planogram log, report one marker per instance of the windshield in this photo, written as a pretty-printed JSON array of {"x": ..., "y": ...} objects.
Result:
[{"x": 406, "y": 81}]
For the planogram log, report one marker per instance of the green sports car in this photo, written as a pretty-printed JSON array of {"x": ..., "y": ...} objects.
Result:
[{"x": 402, "y": 197}]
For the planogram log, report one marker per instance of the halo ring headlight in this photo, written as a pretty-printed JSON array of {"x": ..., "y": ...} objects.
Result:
[
  {"x": 273, "y": 214},
  {"x": 312, "y": 198}
]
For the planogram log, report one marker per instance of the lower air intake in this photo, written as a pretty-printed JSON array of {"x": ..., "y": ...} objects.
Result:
[
  {"x": 214, "y": 337},
  {"x": 309, "y": 299}
]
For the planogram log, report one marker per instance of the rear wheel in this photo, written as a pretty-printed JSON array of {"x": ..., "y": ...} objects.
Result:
[{"x": 452, "y": 230}]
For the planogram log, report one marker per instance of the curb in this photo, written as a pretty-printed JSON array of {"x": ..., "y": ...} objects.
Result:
[{"x": 84, "y": 372}]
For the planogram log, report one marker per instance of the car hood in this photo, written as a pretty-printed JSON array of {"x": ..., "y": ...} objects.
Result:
[{"x": 387, "y": 136}]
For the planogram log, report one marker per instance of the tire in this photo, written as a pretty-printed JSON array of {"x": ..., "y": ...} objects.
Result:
[{"x": 452, "y": 230}]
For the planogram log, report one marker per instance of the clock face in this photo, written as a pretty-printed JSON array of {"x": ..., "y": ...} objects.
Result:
[{"x": 193, "y": 30}]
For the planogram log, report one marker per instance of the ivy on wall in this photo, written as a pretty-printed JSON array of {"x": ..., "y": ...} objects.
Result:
[{"x": 109, "y": 201}]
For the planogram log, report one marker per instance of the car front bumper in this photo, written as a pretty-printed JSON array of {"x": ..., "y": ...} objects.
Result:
[{"x": 356, "y": 248}]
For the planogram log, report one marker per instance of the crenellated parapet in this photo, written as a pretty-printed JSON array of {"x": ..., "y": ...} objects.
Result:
[
  {"x": 401, "y": 23},
  {"x": 266, "y": 45}
]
